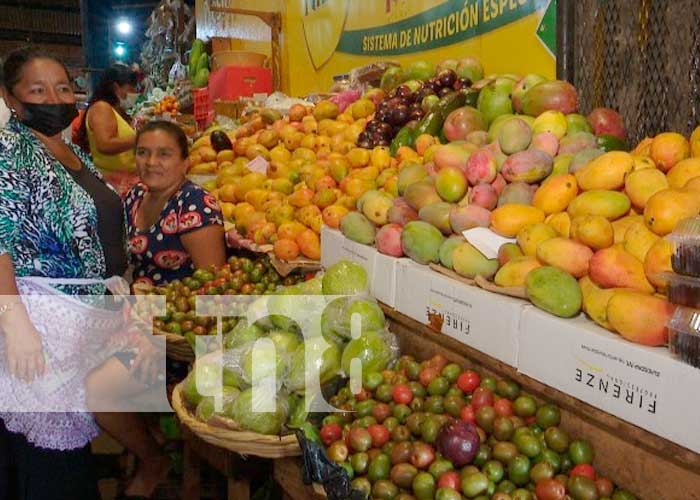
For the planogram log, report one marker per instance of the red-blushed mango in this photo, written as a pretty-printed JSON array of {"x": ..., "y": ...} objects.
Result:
[
  {"x": 658, "y": 261},
  {"x": 608, "y": 171},
  {"x": 529, "y": 166},
  {"x": 595, "y": 301},
  {"x": 615, "y": 267},
  {"x": 669, "y": 148},
  {"x": 567, "y": 255},
  {"x": 556, "y": 94},
  {"x": 388, "y": 240},
  {"x": 469, "y": 217},
  {"x": 667, "y": 207},
  {"x": 641, "y": 185},
  {"x": 610, "y": 204},
  {"x": 514, "y": 272},
  {"x": 639, "y": 317},
  {"x": 555, "y": 194},
  {"x": 508, "y": 252},
  {"x": 508, "y": 220},
  {"x": 561, "y": 222},
  {"x": 620, "y": 226},
  {"x": 532, "y": 235},
  {"x": 683, "y": 171},
  {"x": 594, "y": 231},
  {"x": 638, "y": 240}
]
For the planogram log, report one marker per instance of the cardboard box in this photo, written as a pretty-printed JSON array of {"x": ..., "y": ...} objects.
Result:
[
  {"x": 384, "y": 279},
  {"x": 335, "y": 247},
  {"x": 485, "y": 321},
  {"x": 642, "y": 385}
]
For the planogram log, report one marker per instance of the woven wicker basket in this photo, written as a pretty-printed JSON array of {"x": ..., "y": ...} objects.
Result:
[
  {"x": 177, "y": 346},
  {"x": 241, "y": 442}
]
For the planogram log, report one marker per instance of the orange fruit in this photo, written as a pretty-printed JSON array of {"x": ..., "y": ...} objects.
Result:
[
  {"x": 286, "y": 249},
  {"x": 669, "y": 148},
  {"x": 207, "y": 154},
  {"x": 225, "y": 155},
  {"x": 290, "y": 230},
  {"x": 309, "y": 244},
  {"x": 333, "y": 214}
]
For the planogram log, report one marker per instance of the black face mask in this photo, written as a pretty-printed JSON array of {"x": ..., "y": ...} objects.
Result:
[{"x": 48, "y": 119}]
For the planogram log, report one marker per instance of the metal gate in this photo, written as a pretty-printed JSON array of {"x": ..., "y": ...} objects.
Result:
[{"x": 640, "y": 57}]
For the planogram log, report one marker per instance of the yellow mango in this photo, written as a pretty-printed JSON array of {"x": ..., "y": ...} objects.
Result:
[
  {"x": 595, "y": 301},
  {"x": 641, "y": 185},
  {"x": 667, "y": 207},
  {"x": 567, "y": 255},
  {"x": 683, "y": 171},
  {"x": 610, "y": 204},
  {"x": 561, "y": 222},
  {"x": 514, "y": 272},
  {"x": 638, "y": 240},
  {"x": 695, "y": 143},
  {"x": 532, "y": 235},
  {"x": 642, "y": 163},
  {"x": 657, "y": 261},
  {"x": 608, "y": 171},
  {"x": 620, "y": 226},
  {"x": 594, "y": 231},
  {"x": 509, "y": 219},
  {"x": 647, "y": 323},
  {"x": 693, "y": 185},
  {"x": 555, "y": 194},
  {"x": 644, "y": 147}
]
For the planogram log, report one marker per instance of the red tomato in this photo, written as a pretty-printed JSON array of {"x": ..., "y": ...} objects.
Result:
[
  {"x": 468, "y": 381},
  {"x": 427, "y": 375},
  {"x": 381, "y": 411},
  {"x": 481, "y": 397},
  {"x": 584, "y": 470},
  {"x": 380, "y": 435},
  {"x": 550, "y": 489},
  {"x": 467, "y": 414},
  {"x": 530, "y": 420},
  {"x": 402, "y": 394},
  {"x": 450, "y": 479},
  {"x": 604, "y": 486},
  {"x": 503, "y": 407},
  {"x": 331, "y": 433}
]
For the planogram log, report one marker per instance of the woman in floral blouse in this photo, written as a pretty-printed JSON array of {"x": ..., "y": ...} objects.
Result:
[
  {"x": 174, "y": 226},
  {"x": 58, "y": 221}
]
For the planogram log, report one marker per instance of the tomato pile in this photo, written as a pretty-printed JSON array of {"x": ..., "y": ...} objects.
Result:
[
  {"x": 168, "y": 104},
  {"x": 390, "y": 435},
  {"x": 239, "y": 276}
]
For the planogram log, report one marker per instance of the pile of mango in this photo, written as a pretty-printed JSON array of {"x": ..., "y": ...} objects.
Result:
[
  {"x": 282, "y": 178},
  {"x": 593, "y": 240}
]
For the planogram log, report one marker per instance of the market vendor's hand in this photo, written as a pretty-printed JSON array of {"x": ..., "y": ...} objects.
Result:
[
  {"x": 25, "y": 354},
  {"x": 148, "y": 366}
]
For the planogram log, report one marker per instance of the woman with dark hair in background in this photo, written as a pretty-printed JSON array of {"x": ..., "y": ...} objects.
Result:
[{"x": 105, "y": 130}]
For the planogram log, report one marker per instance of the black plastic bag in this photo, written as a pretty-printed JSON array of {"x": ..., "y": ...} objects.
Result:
[{"x": 318, "y": 468}]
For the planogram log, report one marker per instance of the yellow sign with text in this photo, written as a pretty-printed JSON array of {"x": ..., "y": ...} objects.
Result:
[{"x": 324, "y": 38}]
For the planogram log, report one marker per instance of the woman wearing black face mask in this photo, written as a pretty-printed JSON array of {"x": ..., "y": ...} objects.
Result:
[{"x": 59, "y": 221}]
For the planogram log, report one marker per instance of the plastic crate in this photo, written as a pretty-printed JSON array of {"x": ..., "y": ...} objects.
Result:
[
  {"x": 202, "y": 104},
  {"x": 231, "y": 82}
]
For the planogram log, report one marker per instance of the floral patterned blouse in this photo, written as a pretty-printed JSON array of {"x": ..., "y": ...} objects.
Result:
[
  {"x": 157, "y": 253},
  {"x": 48, "y": 224}
]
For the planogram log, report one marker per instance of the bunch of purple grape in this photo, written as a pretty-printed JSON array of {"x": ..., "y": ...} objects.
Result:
[{"x": 404, "y": 105}]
